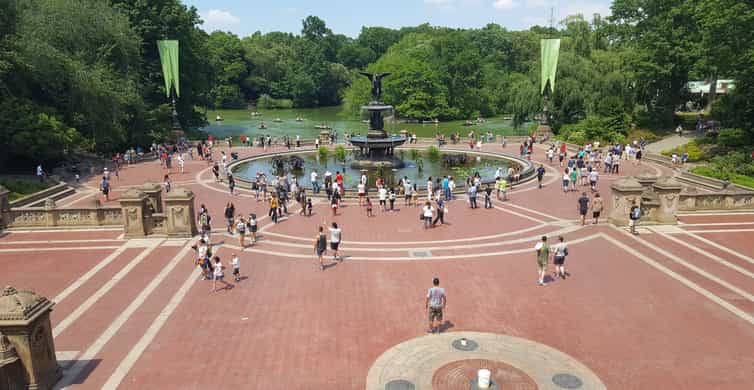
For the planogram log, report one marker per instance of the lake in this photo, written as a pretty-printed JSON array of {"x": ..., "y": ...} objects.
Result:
[{"x": 238, "y": 122}]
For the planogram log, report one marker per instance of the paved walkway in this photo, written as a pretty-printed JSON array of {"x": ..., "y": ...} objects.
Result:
[
  {"x": 671, "y": 308},
  {"x": 670, "y": 142}
]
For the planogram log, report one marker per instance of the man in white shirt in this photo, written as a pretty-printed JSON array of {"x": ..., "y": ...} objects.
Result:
[
  {"x": 315, "y": 184},
  {"x": 382, "y": 193}
]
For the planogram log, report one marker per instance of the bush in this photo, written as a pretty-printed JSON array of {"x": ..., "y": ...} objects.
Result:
[
  {"x": 433, "y": 154},
  {"x": 733, "y": 138},
  {"x": 322, "y": 152},
  {"x": 692, "y": 148},
  {"x": 608, "y": 129},
  {"x": 637, "y": 133},
  {"x": 21, "y": 187},
  {"x": 267, "y": 101},
  {"x": 415, "y": 154},
  {"x": 739, "y": 179},
  {"x": 340, "y": 153}
]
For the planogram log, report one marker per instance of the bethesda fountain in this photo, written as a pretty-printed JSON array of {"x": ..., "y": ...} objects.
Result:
[{"x": 377, "y": 147}]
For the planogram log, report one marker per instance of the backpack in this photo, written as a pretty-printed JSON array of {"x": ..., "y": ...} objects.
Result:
[{"x": 636, "y": 214}]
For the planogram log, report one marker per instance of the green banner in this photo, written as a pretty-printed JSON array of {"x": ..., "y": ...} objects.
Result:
[
  {"x": 169, "y": 59},
  {"x": 550, "y": 51}
]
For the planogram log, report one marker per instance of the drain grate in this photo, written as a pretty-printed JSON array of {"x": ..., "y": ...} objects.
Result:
[
  {"x": 400, "y": 384},
  {"x": 567, "y": 381},
  {"x": 420, "y": 253},
  {"x": 470, "y": 345}
]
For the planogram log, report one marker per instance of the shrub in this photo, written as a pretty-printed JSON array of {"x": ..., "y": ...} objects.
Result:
[
  {"x": 322, "y": 152},
  {"x": 20, "y": 187},
  {"x": 340, "y": 153},
  {"x": 433, "y": 154},
  {"x": 415, "y": 154},
  {"x": 733, "y": 138},
  {"x": 692, "y": 148},
  {"x": 267, "y": 101}
]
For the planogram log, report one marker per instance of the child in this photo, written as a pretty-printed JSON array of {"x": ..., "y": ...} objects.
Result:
[
  {"x": 236, "y": 268},
  {"x": 217, "y": 273},
  {"x": 334, "y": 205},
  {"x": 309, "y": 206},
  {"x": 414, "y": 196},
  {"x": 391, "y": 198},
  {"x": 241, "y": 230},
  {"x": 369, "y": 207}
]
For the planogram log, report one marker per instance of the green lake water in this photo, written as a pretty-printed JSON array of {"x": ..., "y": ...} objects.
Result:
[{"x": 238, "y": 122}]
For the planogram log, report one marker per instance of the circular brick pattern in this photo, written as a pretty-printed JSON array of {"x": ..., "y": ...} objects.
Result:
[
  {"x": 567, "y": 381},
  {"x": 470, "y": 345},
  {"x": 460, "y": 374}
]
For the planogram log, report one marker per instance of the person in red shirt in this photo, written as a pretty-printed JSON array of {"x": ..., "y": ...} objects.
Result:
[
  {"x": 339, "y": 180},
  {"x": 563, "y": 148}
]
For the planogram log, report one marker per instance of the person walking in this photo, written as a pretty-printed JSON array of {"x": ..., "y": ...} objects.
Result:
[
  {"x": 434, "y": 305},
  {"x": 320, "y": 247},
  {"x": 427, "y": 213},
  {"x": 560, "y": 251},
  {"x": 236, "y": 268},
  {"x": 369, "y": 207},
  {"x": 597, "y": 207},
  {"x": 273, "y": 208},
  {"x": 472, "y": 196},
  {"x": 391, "y": 198},
  {"x": 541, "y": 173},
  {"x": 252, "y": 225},
  {"x": 488, "y": 197},
  {"x": 583, "y": 207},
  {"x": 231, "y": 184},
  {"x": 440, "y": 212},
  {"x": 335, "y": 238},
  {"x": 566, "y": 181},
  {"x": 315, "y": 183},
  {"x": 382, "y": 194},
  {"x": 218, "y": 274},
  {"x": 104, "y": 186},
  {"x": 230, "y": 217},
  {"x": 502, "y": 188},
  {"x": 543, "y": 257},
  {"x": 241, "y": 230}
]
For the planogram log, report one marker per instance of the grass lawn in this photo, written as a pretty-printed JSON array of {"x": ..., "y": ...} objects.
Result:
[
  {"x": 741, "y": 180},
  {"x": 22, "y": 186}
]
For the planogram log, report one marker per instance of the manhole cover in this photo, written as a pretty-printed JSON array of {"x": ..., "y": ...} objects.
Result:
[
  {"x": 567, "y": 381},
  {"x": 420, "y": 253},
  {"x": 400, "y": 384},
  {"x": 470, "y": 345}
]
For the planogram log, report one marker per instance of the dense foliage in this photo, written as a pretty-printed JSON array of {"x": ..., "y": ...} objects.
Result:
[{"x": 85, "y": 74}]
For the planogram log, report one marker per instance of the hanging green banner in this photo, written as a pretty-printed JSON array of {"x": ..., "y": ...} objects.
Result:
[
  {"x": 550, "y": 51},
  {"x": 169, "y": 60}
]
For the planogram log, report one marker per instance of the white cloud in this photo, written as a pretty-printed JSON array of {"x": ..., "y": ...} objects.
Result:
[
  {"x": 216, "y": 19},
  {"x": 505, "y": 4}
]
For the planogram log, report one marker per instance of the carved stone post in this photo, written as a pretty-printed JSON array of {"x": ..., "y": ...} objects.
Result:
[
  {"x": 324, "y": 137},
  {"x": 50, "y": 212},
  {"x": 12, "y": 374},
  {"x": 668, "y": 192},
  {"x": 134, "y": 202},
  {"x": 154, "y": 196},
  {"x": 25, "y": 321},
  {"x": 625, "y": 193},
  {"x": 4, "y": 207},
  {"x": 179, "y": 213}
]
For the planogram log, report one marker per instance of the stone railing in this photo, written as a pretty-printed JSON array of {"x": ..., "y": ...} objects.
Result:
[
  {"x": 55, "y": 192},
  {"x": 729, "y": 199},
  {"x": 49, "y": 216}
]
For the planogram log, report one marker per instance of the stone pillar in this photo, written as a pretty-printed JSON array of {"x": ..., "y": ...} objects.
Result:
[
  {"x": 625, "y": 192},
  {"x": 324, "y": 137},
  {"x": 134, "y": 203},
  {"x": 668, "y": 192},
  {"x": 154, "y": 196},
  {"x": 179, "y": 212},
  {"x": 25, "y": 321},
  {"x": 12, "y": 375},
  {"x": 50, "y": 212},
  {"x": 4, "y": 206},
  {"x": 647, "y": 180}
]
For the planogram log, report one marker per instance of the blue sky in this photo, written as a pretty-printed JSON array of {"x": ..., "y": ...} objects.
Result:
[{"x": 348, "y": 16}]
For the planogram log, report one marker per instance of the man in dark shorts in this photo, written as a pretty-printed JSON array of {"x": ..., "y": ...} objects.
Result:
[
  {"x": 320, "y": 247},
  {"x": 434, "y": 305},
  {"x": 540, "y": 174},
  {"x": 583, "y": 207}
]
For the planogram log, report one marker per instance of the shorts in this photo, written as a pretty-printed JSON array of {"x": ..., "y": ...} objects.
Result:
[
  {"x": 321, "y": 251},
  {"x": 565, "y": 183},
  {"x": 583, "y": 211},
  {"x": 631, "y": 222},
  {"x": 408, "y": 197},
  {"x": 435, "y": 313},
  {"x": 361, "y": 194},
  {"x": 218, "y": 277},
  {"x": 334, "y": 245},
  {"x": 230, "y": 221},
  {"x": 558, "y": 260},
  {"x": 236, "y": 271},
  {"x": 253, "y": 228},
  {"x": 595, "y": 214},
  {"x": 593, "y": 183},
  {"x": 542, "y": 262},
  {"x": 382, "y": 202}
]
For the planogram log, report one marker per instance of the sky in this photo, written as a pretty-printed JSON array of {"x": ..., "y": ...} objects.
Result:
[{"x": 348, "y": 16}]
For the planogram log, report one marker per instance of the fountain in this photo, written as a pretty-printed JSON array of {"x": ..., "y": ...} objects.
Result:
[{"x": 377, "y": 148}]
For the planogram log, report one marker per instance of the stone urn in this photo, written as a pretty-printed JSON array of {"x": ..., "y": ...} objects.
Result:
[{"x": 25, "y": 324}]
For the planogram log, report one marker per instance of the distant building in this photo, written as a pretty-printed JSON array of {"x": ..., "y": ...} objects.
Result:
[{"x": 702, "y": 87}]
